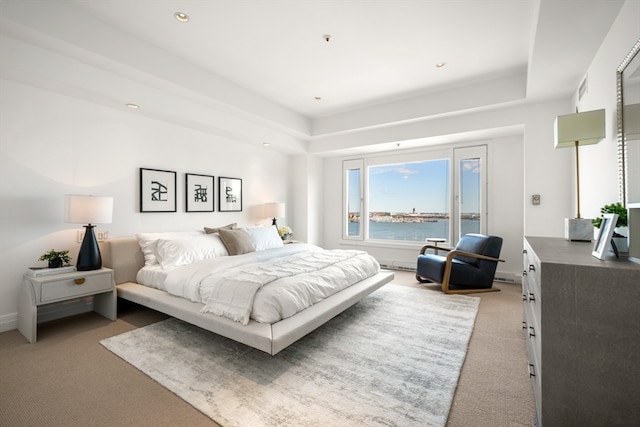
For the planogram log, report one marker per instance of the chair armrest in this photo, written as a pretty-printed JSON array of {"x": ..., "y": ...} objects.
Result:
[
  {"x": 437, "y": 248},
  {"x": 453, "y": 253}
]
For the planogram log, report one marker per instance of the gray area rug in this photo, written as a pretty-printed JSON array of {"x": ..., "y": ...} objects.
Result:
[{"x": 393, "y": 359}]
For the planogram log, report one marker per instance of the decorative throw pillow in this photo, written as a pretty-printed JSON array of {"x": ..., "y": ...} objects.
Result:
[
  {"x": 147, "y": 240},
  {"x": 237, "y": 241},
  {"x": 264, "y": 238},
  {"x": 187, "y": 250},
  {"x": 210, "y": 230}
]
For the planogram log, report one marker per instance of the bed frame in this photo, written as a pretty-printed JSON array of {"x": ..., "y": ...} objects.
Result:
[{"x": 124, "y": 256}]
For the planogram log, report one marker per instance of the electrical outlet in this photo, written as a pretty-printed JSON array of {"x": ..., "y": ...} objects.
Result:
[{"x": 101, "y": 235}]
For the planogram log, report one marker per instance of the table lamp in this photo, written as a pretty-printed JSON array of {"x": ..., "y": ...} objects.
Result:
[
  {"x": 274, "y": 210},
  {"x": 88, "y": 210},
  {"x": 574, "y": 130}
]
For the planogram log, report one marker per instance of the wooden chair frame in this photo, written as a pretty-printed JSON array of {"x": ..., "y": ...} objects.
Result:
[{"x": 447, "y": 270}]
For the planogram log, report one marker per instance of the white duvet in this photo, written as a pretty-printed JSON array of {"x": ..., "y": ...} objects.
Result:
[{"x": 270, "y": 285}]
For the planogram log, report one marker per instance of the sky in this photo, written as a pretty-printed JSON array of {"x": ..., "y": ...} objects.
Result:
[{"x": 424, "y": 186}]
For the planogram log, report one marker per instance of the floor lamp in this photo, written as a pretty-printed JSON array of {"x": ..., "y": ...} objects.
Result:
[
  {"x": 88, "y": 210},
  {"x": 574, "y": 130}
]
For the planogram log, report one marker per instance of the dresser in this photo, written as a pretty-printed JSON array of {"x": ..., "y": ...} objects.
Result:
[{"x": 581, "y": 320}]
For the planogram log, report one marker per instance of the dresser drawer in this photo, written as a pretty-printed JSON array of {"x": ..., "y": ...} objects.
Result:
[{"x": 77, "y": 286}]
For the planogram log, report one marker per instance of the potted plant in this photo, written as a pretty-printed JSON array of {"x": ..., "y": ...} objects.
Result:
[
  {"x": 56, "y": 259},
  {"x": 285, "y": 232},
  {"x": 619, "y": 236}
]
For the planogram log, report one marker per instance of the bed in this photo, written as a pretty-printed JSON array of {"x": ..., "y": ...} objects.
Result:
[{"x": 130, "y": 260}]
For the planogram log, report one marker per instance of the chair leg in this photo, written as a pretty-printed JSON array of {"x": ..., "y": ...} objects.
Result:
[
  {"x": 469, "y": 291},
  {"x": 422, "y": 280},
  {"x": 446, "y": 290}
]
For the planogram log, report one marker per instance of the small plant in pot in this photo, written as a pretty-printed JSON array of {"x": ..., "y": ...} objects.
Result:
[
  {"x": 614, "y": 208},
  {"x": 56, "y": 259}
]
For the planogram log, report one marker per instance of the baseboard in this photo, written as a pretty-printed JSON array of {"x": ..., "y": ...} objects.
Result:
[
  {"x": 8, "y": 322},
  {"x": 49, "y": 312},
  {"x": 398, "y": 265},
  {"x": 506, "y": 277}
]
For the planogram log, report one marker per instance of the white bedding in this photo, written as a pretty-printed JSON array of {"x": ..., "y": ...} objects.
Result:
[{"x": 291, "y": 279}]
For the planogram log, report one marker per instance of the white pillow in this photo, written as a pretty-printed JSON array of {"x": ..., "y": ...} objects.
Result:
[
  {"x": 147, "y": 240},
  {"x": 187, "y": 250},
  {"x": 264, "y": 238}
]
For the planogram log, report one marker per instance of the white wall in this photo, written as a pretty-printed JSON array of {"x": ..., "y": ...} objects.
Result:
[
  {"x": 598, "y": 163},
  {"x": 52, "y": 145}
]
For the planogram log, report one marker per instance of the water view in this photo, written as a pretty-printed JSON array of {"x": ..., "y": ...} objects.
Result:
[{"x": 413, "y": 231}]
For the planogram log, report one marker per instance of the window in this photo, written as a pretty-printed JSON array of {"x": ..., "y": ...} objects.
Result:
[
  {"x": 409, "y": 201},
  {"x": 354, "y": 185},
  {"x": 410, "y": 197}
]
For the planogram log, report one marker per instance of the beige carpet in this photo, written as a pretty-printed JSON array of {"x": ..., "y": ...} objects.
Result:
[
  {"x": 68, "y": 379},
  {"x": 393, "y": 359}
]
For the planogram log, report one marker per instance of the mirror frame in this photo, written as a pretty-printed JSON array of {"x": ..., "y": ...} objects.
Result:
[{"x": 622, "y": 148}]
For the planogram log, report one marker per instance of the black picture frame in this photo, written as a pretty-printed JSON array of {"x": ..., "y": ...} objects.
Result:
[
  {"x": 199, "y": 193},
  {"x": 229, "y": 194},
  {"x": 157, "y": 190}
]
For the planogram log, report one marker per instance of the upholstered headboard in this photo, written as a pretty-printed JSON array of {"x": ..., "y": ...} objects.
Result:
[{"x": 124, "y": 257}]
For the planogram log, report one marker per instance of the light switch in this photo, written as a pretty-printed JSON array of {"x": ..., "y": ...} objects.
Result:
[{"x": 535, "y": 199}]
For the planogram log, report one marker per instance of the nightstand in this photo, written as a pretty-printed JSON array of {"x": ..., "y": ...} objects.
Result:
[{"x": 39, "y": 291}]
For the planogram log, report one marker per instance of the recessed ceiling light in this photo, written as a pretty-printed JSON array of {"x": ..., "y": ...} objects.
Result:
[
  {"x": 134, "y": 106},
  {"x": 441, "y": 64},
  {"x": 317, "y": 98},
  {"x": 327, "y": 38},
  {"x": 266, "y": 144},
  {"x": 182, "y": 17}
]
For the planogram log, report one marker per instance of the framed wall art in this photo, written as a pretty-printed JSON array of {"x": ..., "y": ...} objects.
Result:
[
  {"x": 229, "y": 194},
  {"x": 157, "y": 190},
  {"x": 199, "y": 193}
]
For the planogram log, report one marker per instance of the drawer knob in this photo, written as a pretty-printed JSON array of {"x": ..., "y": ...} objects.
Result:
[
  {"x": 79, "y": 281},
  {"x": 532, "y": 332},
  {"x": 524, "y": 273},
  {"x": 532, "y": 370},
  {"x": 532, "y": 297},
  {"x": 532, "y": 267}
]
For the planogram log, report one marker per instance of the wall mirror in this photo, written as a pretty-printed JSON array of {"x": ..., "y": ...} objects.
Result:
[{"x": 628, "y": 106}]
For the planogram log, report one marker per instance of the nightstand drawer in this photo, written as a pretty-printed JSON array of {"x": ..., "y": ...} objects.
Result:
[{"x": 75, "y": 287}]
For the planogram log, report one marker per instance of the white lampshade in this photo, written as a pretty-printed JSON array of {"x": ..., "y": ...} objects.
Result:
[
  {"x": 88, "y": 209},
  {"x": 274, "y": 210},
  {"x": 586, "y": 128}
]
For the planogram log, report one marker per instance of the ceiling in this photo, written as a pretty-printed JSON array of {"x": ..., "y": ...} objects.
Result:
[
  {"x": 270, "y": 59},
  {"x": 378, "y": 50}
]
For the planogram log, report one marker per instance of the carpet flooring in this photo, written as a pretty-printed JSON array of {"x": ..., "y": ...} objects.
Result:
[{"x": 393, "y": 359}]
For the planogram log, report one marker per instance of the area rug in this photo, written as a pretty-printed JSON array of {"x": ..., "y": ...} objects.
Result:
[{"x": 393, "y": 359}]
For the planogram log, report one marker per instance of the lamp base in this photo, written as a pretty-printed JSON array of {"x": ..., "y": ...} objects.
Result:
[
  {"x": 89, "y": 257},
  {"x": 578, "y": 229}
]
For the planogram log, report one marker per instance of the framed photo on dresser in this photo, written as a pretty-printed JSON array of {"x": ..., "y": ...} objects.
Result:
[{"x": 603, "y": 242}]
